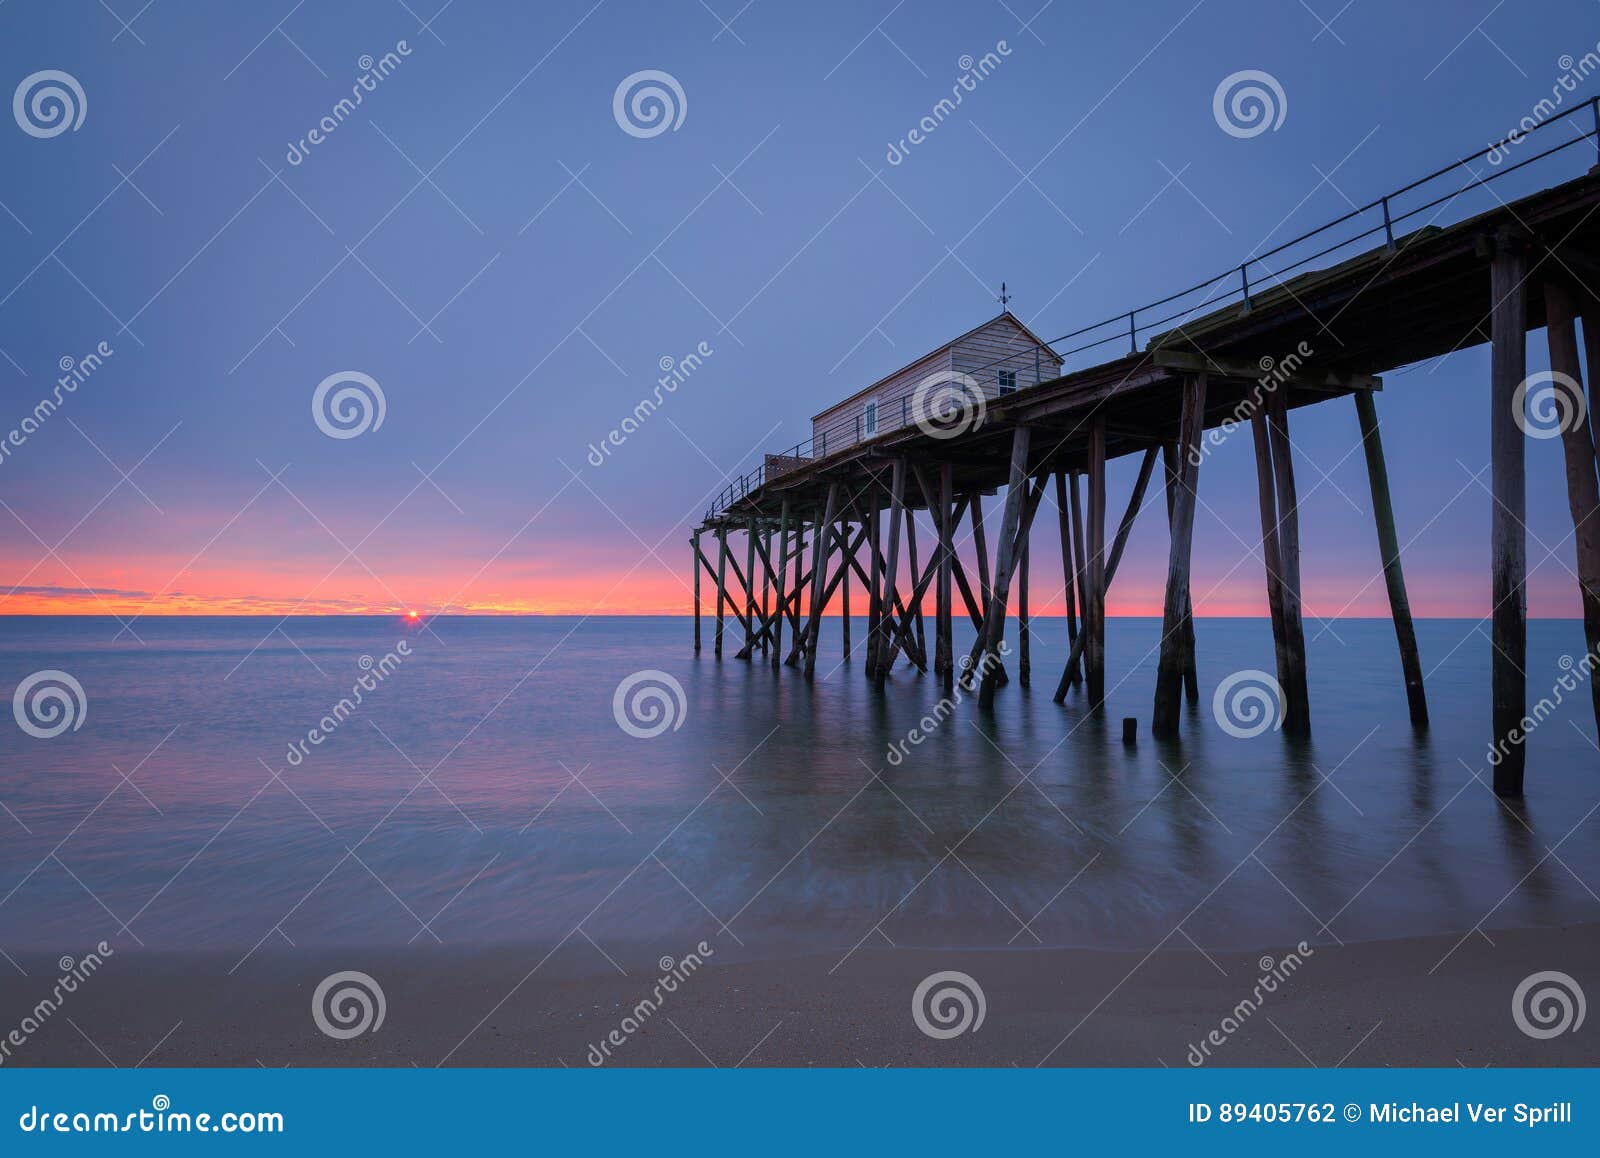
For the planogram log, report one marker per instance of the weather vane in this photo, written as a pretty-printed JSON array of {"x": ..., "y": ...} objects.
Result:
[{"x": 1004, "y": 297}]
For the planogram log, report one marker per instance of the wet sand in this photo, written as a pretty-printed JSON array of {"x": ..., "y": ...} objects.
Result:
[{"x": 1415, "y": 1001}]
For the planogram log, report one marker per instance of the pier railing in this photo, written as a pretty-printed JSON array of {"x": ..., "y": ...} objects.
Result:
[{"x": 1391, "y": 216}]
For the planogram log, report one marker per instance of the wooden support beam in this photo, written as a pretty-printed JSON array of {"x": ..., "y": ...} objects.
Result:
[
  {"x": 1302, "y": 377},
  {"x": 915, "y": 605},
  {"x": 980, "y": 548},
  {"x": 1169, "y": 670},
  {"x": 1589, "y": 310},
  {"x": 897, "y": 491},
  {"x": 1267, "y": 501},
  {"x": 780, "y": 575},
  {"x": 694, "y": 543},
  {"x": 1389, "y": 548},
  {"x": 1191, "y": 678},
  {"x": 994, "y": 619},
  {"x": 722, "y": 586},
  {"x": 1124, "y": 528},
  {"x": 1095, "y": 649},
  {"x": 1080, "y": 550},
  {"x": 1070, "y": 674},
  {"x": 802, "y": 631},
  {"x": 766, "y": 582},
  {"x": 819, "y": 572},
  {"x": 874, "y": 587},
  {"x": 749, "y": 592},
  {"x": 944, "y": 647},
  {"x": 1297, "y": 697},
  {"x": 1577, "y": 444},
  {"x": 844, "y": 593},
  {"x": 1508, "y": 545},
  {"x": 1024, "y": 641},
  {"x": 764, "y": 624}
]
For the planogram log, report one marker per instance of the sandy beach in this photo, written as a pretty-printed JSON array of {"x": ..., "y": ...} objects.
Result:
[{"x": 1416, "y": 1001}]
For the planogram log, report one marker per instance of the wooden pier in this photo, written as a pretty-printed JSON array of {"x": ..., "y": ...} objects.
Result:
[{"x": 1252, "y": 348}]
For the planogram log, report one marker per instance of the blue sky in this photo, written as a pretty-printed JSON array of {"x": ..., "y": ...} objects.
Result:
[{"x": 483, "y": 239}]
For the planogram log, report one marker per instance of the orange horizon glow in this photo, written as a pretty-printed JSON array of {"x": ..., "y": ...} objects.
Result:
[{"x": 416, "y": 589}]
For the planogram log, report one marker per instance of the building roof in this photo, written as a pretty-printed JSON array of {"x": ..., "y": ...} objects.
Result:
[{"x": 1003, "y": 315}]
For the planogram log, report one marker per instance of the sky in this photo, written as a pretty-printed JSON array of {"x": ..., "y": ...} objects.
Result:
[{"x": 484, "y": 239}]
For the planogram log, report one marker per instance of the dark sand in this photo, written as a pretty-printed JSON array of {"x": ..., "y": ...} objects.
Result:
[{"x": 1372, "y": 1004}]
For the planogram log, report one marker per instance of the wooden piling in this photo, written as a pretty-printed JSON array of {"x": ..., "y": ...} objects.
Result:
[
  {"x": 844, "y": 590},
  {"x": 1080, "y": 550},
  {"x": 897, "y": 492},
  {"x": 980, "y": 549},
  {"x": 1297, "y": 698},
  {"x": 722, "y": 583},
  {"x": 1267, "y": 501},
  {"x": 1118, "y": 545},
  {"x": 1095, "y": 650},
  {"x": 994, "y": 619},
  {"x": 874, "y": 586},
  {"x": 750, "y": 587},
  {"x": 1577, "y": 444},
  {"x": 1169, "y": 670},
  {"x": 766, "y": 584},
  {"x": 780, "y": 580},
  {"x": 1070, "y": 674},
  {"x": 1024, "y": 659},
  {"x": 944, "y": 645},
  {"x": 914, "y": 606},
  {"x": 819, "y": 575},
  {"x": 694, "y": 543},
  {"x": 1508, "y": 547},
  {"x": 1389, "y": 550},
  {"x": 1191, "y": 678}
]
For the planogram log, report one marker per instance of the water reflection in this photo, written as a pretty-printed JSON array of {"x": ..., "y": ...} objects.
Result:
[{"x": 1034, "y": 814}]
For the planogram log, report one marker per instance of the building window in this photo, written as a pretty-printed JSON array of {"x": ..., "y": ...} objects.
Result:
[
  {"x": 869, "y": 419},
  {"x": 1008, "y": 380}
]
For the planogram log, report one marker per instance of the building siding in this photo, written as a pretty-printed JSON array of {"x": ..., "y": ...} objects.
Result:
[{"x": 976, "y": 354}]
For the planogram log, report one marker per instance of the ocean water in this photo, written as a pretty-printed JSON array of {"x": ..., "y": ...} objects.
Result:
[{"x": 484, "y": 792}]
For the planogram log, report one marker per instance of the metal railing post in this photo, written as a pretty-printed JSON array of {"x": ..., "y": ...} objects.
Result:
[
  {"x": 1244, "y": 278},
  {"x": 1133, "y": 332},
  {"x": 1595, "y": 105},
  {"x": 1388, "y": 226}
]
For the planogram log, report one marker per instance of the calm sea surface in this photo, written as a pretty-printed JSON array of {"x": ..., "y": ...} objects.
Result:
[{"x": 483, "y": 791}]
